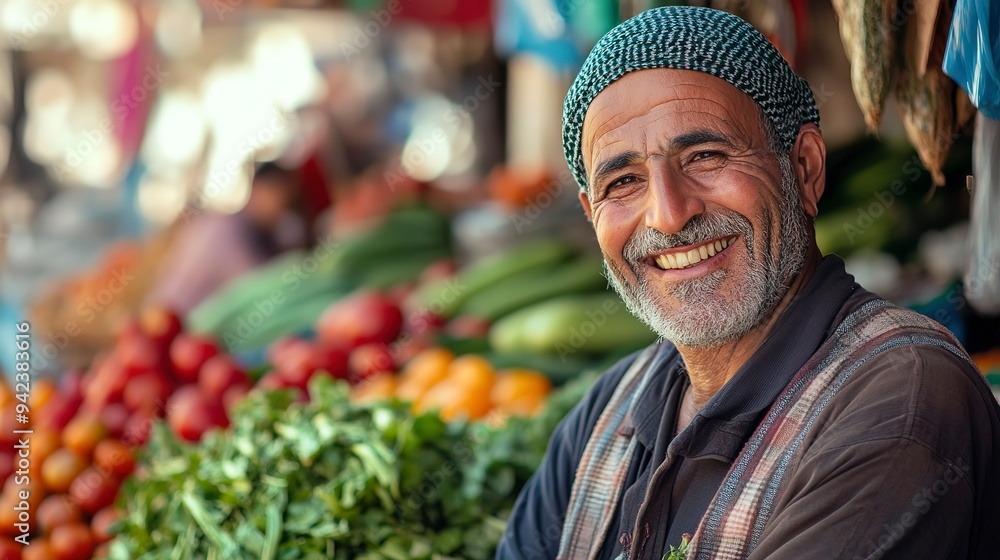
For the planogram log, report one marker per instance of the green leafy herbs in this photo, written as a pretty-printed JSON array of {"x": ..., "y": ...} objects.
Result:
[
  {"x": 681, "y": 551},
  {"x": 332, "y": 479}
]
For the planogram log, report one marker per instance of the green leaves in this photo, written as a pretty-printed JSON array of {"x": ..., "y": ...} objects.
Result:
[
  {"x": 331, "y": 479},
  {"x": 681, "y": 551}
]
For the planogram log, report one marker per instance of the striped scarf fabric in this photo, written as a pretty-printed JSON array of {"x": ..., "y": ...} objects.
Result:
[
  {"x": 734, "y": 522},
  {"x": 600, "y": 476}
]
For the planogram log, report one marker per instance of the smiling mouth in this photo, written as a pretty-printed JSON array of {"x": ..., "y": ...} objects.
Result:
[{"x": 689, "y": 258}]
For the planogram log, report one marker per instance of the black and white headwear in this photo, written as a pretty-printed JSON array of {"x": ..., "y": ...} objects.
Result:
[{"x": 690, "y": 38}]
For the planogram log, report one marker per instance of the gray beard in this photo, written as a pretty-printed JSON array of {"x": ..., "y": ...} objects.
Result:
[{"x": 707, "y": 317}]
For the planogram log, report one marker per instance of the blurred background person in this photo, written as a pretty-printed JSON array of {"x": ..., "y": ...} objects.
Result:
[{"x": 212, "y": 248}]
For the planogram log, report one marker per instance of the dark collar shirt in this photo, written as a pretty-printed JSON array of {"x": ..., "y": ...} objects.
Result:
[{"x": 904, "y": 463}]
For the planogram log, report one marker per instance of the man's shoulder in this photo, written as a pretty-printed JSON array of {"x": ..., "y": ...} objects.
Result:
[{"x": 919, "y": 391}]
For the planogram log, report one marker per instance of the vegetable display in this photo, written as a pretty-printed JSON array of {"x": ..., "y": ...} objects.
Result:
[
  {"x": 365, "y": 400},
  {"x": 334, "y": 479}
]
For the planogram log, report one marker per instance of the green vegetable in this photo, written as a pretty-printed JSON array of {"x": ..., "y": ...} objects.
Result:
[
  {"x": 287, "y": 294},
  {"x": 582, "y": 275},
  {"x": 567, "y": 326},
  {"x": 332, "y": 479},
  {"x": 679, "y": 552},
  {"x": 491, "y": 271}
]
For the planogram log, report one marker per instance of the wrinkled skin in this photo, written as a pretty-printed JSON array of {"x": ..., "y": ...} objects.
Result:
[{"x": 678, "y": 158}]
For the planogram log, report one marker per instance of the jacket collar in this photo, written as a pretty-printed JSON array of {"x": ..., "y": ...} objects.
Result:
[{"x": 724, "y": 424}]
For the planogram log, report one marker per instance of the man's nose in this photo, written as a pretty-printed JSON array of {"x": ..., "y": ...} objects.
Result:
[{"x": 671, "y": 201}]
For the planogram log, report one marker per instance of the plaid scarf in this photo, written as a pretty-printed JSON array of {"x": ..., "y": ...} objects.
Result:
[{"x": 735, "y": 521}]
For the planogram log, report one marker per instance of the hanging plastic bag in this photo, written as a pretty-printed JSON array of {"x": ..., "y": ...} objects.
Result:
[
  {"x": 982, "y": 280},
  {"x": 972, "y": 57}
]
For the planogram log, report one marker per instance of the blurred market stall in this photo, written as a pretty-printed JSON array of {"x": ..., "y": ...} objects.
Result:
[{"x": 326, "y": 258}]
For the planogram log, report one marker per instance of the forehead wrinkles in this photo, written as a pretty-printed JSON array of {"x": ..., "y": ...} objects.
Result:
[{"x": 629, "y": 106}]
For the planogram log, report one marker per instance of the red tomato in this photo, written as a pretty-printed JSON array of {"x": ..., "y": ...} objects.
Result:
[
  {"x": 369, "y": 359},
  {"x": 71, "y": 542},
  {"x": 39, "y": 549},
  {"x": 114, "y": 457},
  {"x": 106, "y": 383},
  {"x": 297, "y": 363},
  {"x": 218, "y": 374},
  {"x": 137, "y": 354},
  {"x": 148, "y": 391},
  {"x": 10, "y": 549},
  {"x": 100, "y": 525},
  {"x": 57, "y": 413},
  {"x": 56, "y": 510},
  {"x": 61, "y": 468},
  {"x": 114, "y": 417},
  {"x": 191, "y": 413},
  {"x": 188, "y": 353},
  {"x": 138, "y": 427},
  {"x": 161, "y": 324},
  {"x": 331, "y": 360},
  {"x": 93, "y": 490},
  {"x": 361, "y": 318},
  {"x": 83, "y": 433}
]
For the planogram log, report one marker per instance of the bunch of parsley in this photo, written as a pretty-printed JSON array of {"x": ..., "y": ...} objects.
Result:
[{"x": 333, "y": 479}]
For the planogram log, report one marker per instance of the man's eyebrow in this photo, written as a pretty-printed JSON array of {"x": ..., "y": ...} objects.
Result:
[
  {"x": 615, "y": 163},
  {"x": 696, "y": 137}
]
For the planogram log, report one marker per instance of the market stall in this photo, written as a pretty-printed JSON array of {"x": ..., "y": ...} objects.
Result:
[{"x": 397, "y": 297}]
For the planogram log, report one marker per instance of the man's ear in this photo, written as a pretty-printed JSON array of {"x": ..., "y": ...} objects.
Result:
[
  {"x": 809, "y": 162},
  {"x": 585, "y": 202}
]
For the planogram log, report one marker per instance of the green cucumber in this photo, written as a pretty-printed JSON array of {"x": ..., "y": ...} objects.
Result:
[
  {"x": 583, "y": 275},
  {"x": 571, "y": 326},
  {"x": 449, "y": 294}
]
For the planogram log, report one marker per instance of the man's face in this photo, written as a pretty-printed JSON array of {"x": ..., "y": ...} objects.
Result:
[{"x": 700, "y": 224}]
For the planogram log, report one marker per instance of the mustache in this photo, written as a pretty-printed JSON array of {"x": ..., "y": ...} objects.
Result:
[{"x": 699, "y": 229}]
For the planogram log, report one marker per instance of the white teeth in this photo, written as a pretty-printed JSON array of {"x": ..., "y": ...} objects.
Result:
[{"x": 694, "y": 256}]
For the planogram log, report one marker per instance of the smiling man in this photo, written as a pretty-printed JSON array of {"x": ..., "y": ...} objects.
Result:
[{"x": 788, "y": 413}]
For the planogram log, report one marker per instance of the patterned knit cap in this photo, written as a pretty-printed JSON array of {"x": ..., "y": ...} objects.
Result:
[{"x": 690, "y": 38}]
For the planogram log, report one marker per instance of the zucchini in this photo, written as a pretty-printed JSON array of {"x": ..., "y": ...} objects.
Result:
[
  {"x": 449, "y": 294},
  {"x": 570, "y": 326},
  {"x": 583, "y": 275}
]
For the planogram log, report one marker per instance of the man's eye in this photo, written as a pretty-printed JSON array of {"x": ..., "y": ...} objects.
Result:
[
  {"x": 706, "y": 155},
  {"x": 622, "y": 181}
]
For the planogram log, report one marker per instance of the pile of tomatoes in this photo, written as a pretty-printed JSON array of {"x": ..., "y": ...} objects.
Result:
[
  {"x": 88, "y": 428},
  {"x": 68, "y": 487}
]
